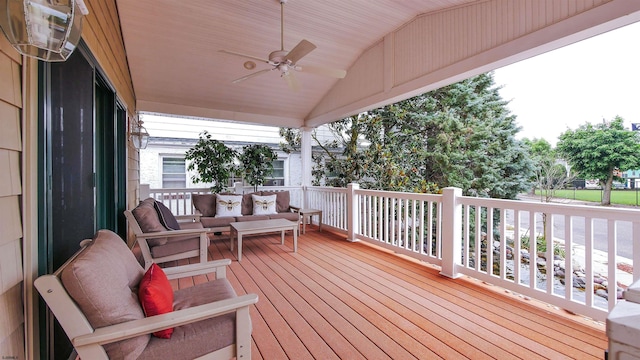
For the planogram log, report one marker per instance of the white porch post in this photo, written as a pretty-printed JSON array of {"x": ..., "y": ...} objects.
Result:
[
  {"x": 451, "y": 232},
  {"x": 352, "y": 211},
  {"x": 307, "y": 162},
  {"x": 145, "y": 191}
]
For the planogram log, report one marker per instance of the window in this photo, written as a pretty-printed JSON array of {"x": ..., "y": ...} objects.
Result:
[
  {"x": 277, "y": 177},
  {"x": 174, "y": 173}
]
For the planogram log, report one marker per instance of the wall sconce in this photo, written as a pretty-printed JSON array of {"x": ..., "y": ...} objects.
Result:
[
  {"x": 47, "y": 30},
  {"x": 139, "y": 135}
]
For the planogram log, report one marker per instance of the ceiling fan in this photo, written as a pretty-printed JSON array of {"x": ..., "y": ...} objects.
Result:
[{"x": 285, "y": 61}]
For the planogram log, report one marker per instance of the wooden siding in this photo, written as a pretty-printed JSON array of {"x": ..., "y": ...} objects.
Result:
[
  {"x": 335, "y": 299},
  {"x": 11, "y": 267},
  {"x": 442, "y": 47},
  {"x": 101, "y": 32}
]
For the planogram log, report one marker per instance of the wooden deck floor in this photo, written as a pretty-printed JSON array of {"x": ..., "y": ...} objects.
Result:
[{"x": 339, "y": 300}]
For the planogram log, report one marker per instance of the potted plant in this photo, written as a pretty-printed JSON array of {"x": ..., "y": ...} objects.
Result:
[
  {"x": 213, "y": 162},
  {"x": 256, "y": 163}
]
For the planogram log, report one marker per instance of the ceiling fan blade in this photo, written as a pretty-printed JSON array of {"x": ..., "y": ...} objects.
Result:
[
  {"x": 303, "y": 48},
  {"x": 291, "y": 81},
  {"x": 251, "y": 75},
  {"x": 244, "y": 56},
  {"x": 318, "y": 70}
]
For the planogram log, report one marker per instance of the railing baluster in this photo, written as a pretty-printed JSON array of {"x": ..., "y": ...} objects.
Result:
[
  {"x": 588, "y": 259},
  {"x": 568, "y": 257},
  {"x": 548, "y": 238},
  {"x": 612, "y": 251},
  {"x": 517, "y": 247},
  {"x": 503, "y": 245},
  {"x": 533, "y": 254}
]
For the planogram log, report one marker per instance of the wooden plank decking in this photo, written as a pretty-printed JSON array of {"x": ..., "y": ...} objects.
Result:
[{"x": 340, "y": 300}]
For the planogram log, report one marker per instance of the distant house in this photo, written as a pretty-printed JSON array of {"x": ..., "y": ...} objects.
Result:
[{"x": 163, "y": 164}]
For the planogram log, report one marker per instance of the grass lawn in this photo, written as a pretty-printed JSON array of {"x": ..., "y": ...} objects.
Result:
[{"x": 622, "y": 197}]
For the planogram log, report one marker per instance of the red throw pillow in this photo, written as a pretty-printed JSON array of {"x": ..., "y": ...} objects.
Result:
[{"x": 156, "y": 296}]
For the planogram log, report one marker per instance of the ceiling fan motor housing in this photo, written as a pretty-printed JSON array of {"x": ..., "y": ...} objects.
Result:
[{"x": 277, "y": 57}]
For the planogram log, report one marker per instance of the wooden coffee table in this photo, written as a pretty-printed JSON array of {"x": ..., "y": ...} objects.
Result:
[{"x": 238, "y": 229}]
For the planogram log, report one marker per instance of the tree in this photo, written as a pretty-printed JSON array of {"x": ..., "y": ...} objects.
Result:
[
  {"x": 597, "y": 151},
  {"x": 460, "y": 135},
  {"x": 213, "y": 162},
  {"x": 256, "y": 163},
  {"x": 549, "y": 172}
]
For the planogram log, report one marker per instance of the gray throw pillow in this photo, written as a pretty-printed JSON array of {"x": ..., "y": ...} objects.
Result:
[{"x": 166, "y": 216}]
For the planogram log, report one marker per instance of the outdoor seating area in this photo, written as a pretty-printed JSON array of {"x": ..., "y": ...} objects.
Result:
[
  {"x": 109, "y": 306},
  {"x": 337, "y": 299}
]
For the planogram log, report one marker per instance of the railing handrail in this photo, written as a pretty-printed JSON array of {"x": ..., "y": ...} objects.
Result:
[{"x": 621, "y": 214}]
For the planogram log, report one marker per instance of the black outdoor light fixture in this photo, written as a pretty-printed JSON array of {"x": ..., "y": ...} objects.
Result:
[{"x": 48, "y": 30}]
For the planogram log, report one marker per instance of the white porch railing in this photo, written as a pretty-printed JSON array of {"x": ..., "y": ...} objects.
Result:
[{"x": 503, "y": 242}]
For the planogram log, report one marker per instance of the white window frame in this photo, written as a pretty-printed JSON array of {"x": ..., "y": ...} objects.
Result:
[{"x": 162, "y": 172}]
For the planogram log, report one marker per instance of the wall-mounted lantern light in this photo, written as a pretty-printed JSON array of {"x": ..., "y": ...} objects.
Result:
[
  {"x": 48, "y": 30},
  {"x": 139, "y": 135}
]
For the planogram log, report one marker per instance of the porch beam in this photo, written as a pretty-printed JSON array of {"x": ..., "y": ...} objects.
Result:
[
  {"x": 305, "y": 154},
  {"x": 353, "y": 202}
]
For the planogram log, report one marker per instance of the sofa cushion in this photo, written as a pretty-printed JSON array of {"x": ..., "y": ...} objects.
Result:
[
  {"x": 213, "y": 222},
  {"x": 204, "y": 203},
  {"x": 103, "y": 282},
  {"x": 156, "y": 296},
  {"x": 264, "y": 205},
  {"x": 247, "y": 203},
  {"x": 190, "y": 225},
  {"x": 201, "y": 337},
  {"x": 283, "y": 199},
  {"x": 166, "y": 216},
  {"x": 228, "y": 205},
  {"x": 147, "y": 217},
  {"x": 286, "y": 215},
  {"x": 252, "y": 218}
]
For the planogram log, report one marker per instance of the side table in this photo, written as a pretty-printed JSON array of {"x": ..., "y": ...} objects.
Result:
[{"x": 304, "y": 213}]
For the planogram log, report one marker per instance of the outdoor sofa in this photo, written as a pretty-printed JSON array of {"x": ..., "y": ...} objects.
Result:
[{"x": 247, "y": 207}]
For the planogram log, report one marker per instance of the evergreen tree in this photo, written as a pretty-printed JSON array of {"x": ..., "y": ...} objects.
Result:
[{"x": 460, "y": 135}]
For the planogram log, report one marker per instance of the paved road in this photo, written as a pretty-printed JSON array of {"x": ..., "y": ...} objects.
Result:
[{"x": 625, "y": 248}]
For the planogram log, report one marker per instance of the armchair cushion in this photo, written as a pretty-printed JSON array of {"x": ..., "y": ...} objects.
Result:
[
  {"x": 156, "y": 296},
  {"x": 103, "y": 281},
  {"x": 166, "y": 216},
  {"x": 205, "y": 204},
  {"x": 201, "y": 337},
  {"x": 147, "y": 217}
]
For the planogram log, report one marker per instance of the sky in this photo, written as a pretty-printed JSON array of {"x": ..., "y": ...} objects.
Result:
[{"x": 584, "y": 82}]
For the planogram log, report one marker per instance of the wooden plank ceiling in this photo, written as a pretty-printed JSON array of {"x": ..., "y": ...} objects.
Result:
[{"x": 390, "y": 49}]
